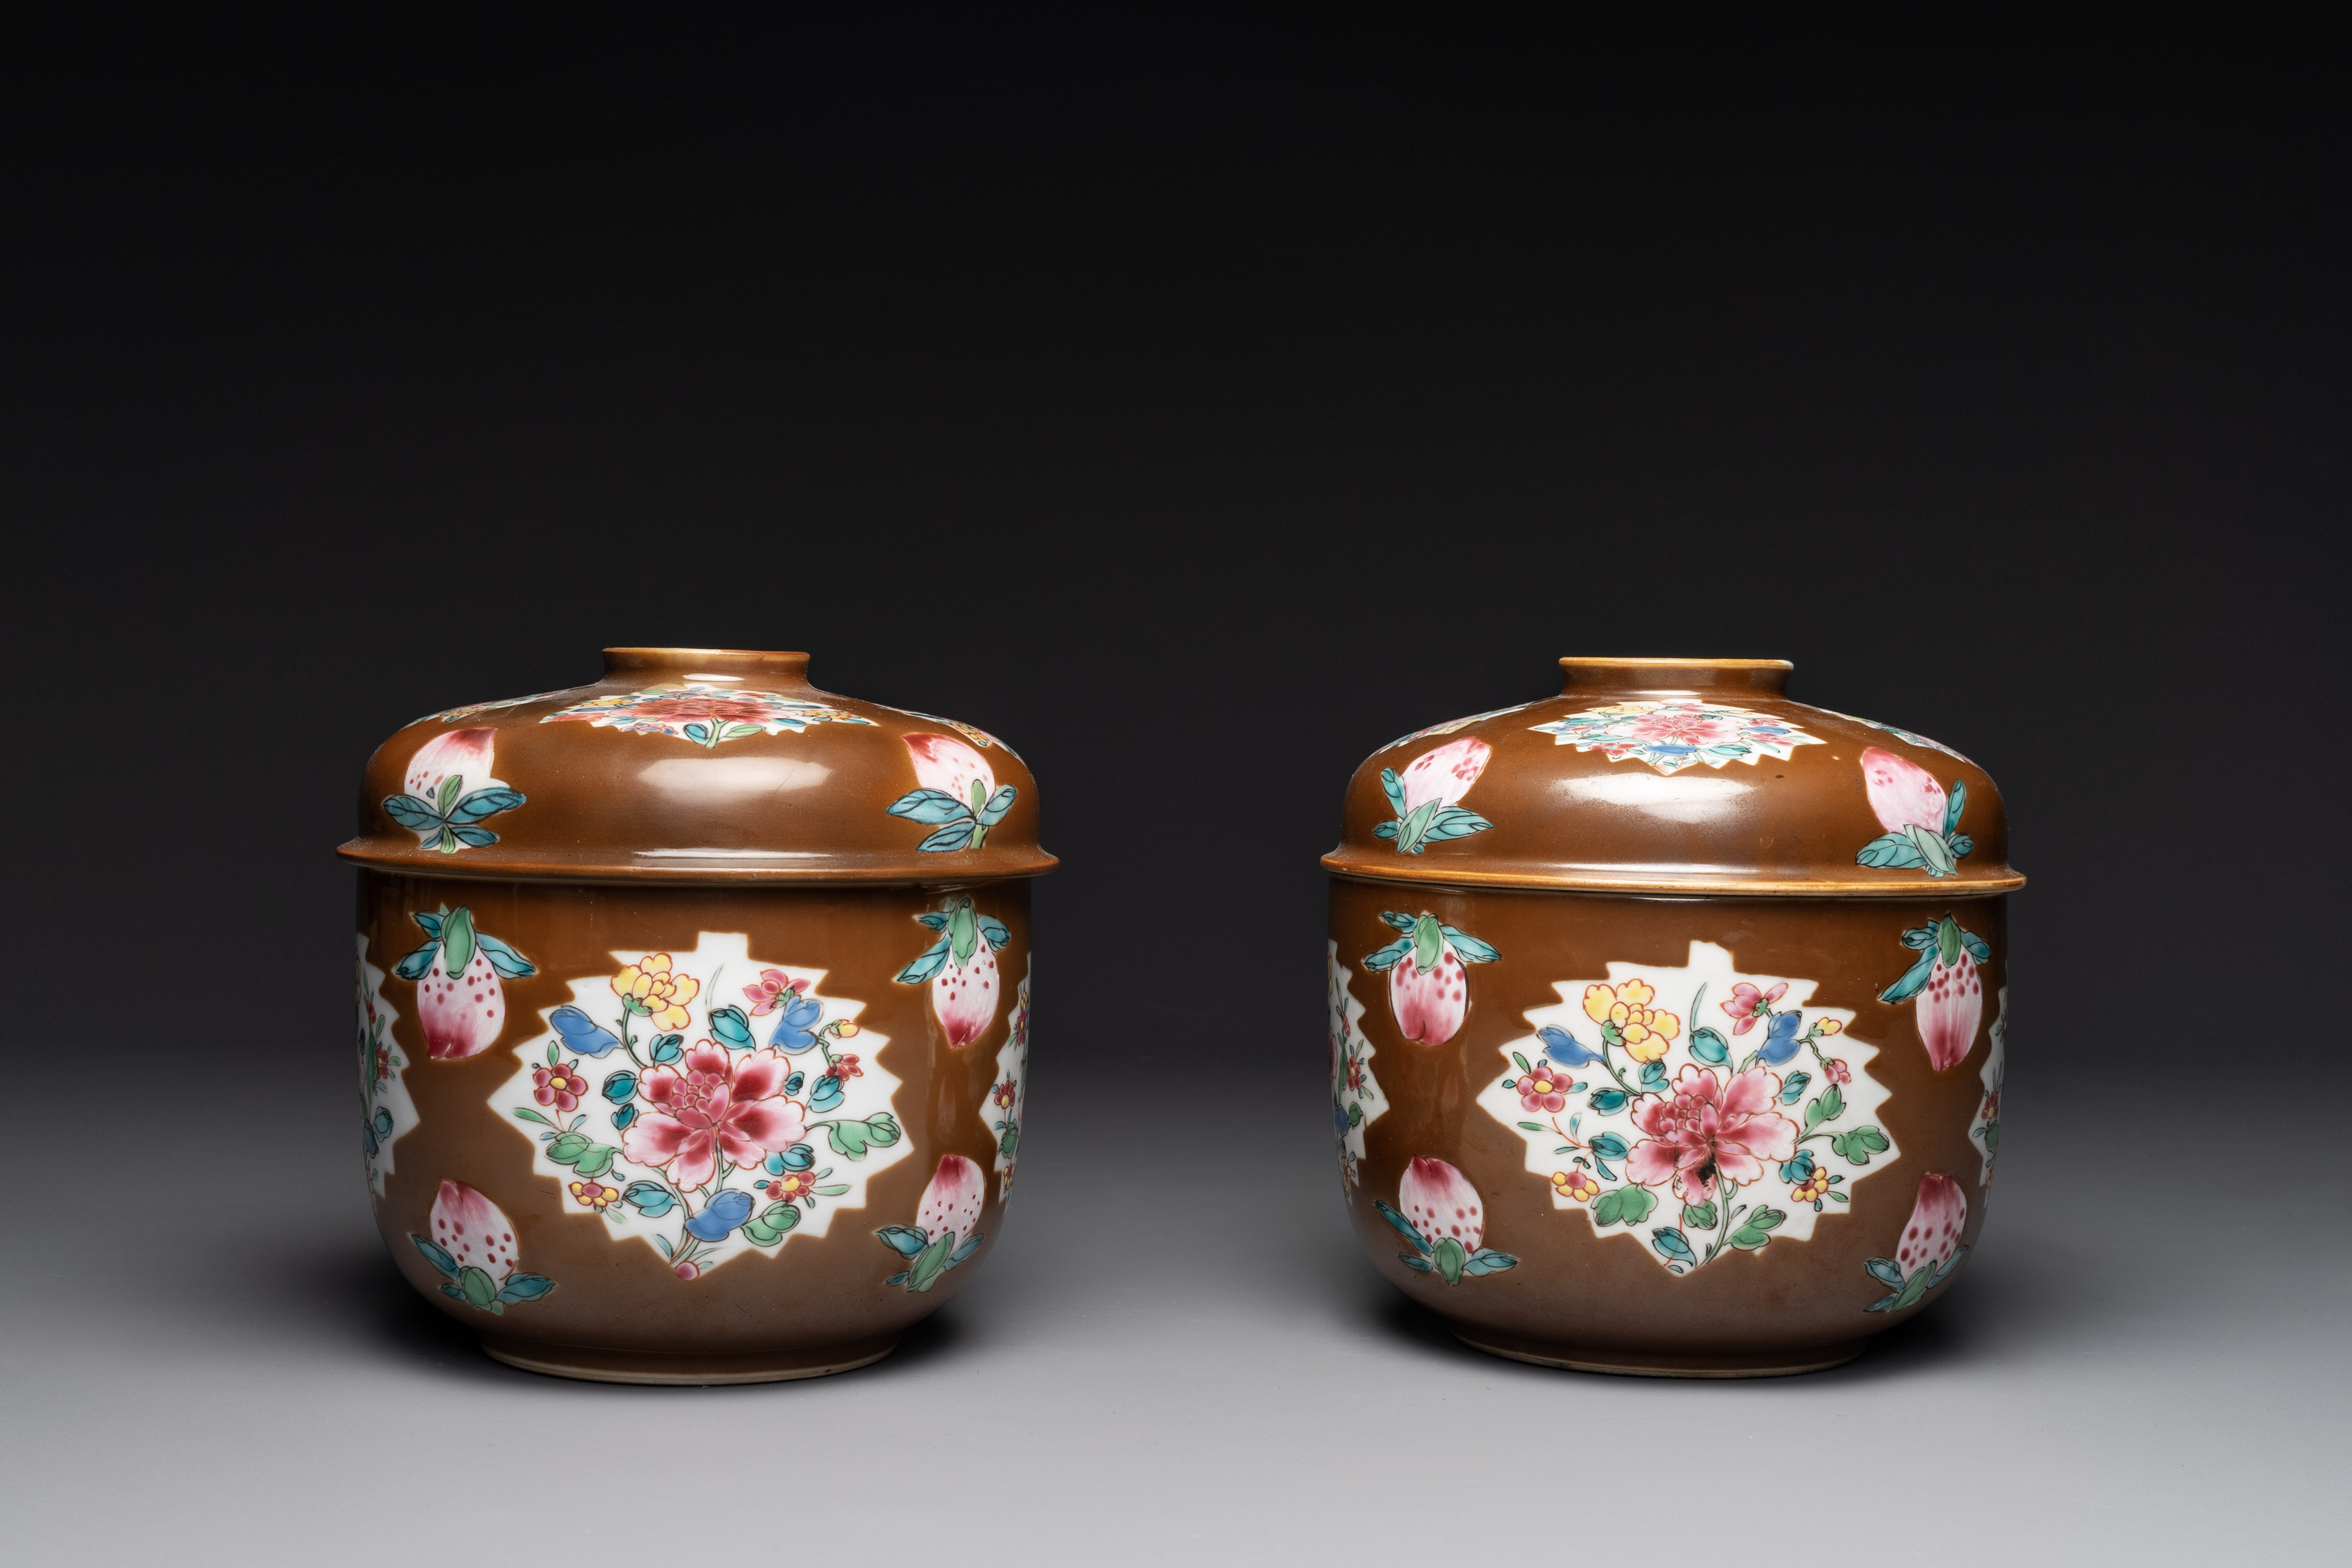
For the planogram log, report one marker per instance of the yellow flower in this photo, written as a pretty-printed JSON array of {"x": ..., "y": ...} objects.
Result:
[
  {"x": 1811, "y": 1189},
  {"x": 842, "y": 1029},
  {"x": 1825, "y": 1027},
  {"x": 649, "y": 987},
  {"x": 1645, "y": 1032}
]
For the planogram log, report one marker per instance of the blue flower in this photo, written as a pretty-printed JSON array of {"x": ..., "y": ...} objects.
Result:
[
  {"x": 1339, "y": 1118},
  {"x": 720, "y": 1215},
  {"x": 1781, "y": 1042},
  {"x": 1565, "y": 1048},
  {"x": 793, "y": 1034},
  {"x": 581, "y": 1034}
]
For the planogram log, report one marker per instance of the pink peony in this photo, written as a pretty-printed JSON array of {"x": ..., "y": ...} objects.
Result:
[
  {"x": 1903, "y": 794},
  {"x": 1443, "y": 776},
  {"x": 948, "y": 765},
  {"x": 1441, "y": 1202},
  {"x": 473, "y": 1230},
  {"x": 721, "y": 1102},
  {"x": 1675, "y": 728},
  {"x": 1697, "y": 1134},
  {"x": 1936, "y": 1221},
  {"x": 466, "y": 752},
  {"x": 1950, "y": 1006},
  {"x": 952, "y": 1203}
]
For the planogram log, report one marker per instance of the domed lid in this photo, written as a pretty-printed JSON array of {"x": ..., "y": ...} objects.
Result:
[
  {"x": 1675, "y": 775},
  {"x": 698, "y": 765}
]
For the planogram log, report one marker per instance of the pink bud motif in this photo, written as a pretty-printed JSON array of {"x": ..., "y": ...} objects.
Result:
[
  {"x": 1445, "y": 774},
  {"x": 947, "y": 764},
  {"x": 1950, "y": 1006},
  {"x": 460, "y": 1014},
  {"x": 952, "y": 1203},
  {"x": 1936, "y": 1221},
  {"x": 1429, "y": 1003},
  {"x": 1442, "y": 1204},
  {"x": 465, "y": 752},
  {"x": 1902, "y": 794},
  {"x": 473, "y": 1231},
  {"x": 964, "y": 996}
]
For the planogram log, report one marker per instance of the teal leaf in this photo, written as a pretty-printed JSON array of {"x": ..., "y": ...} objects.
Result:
[
  {"x": 414, "y": 966},
  {"x": 1671, "y": 1243},
  {"x": 1914, "y": 979},
  {"x": 650, "y": 1199},
  {"x": 1709, "y": 1047},
  {"x": 1978, "y": 949},
  {"x": 1381, "y": 963},
  {"x": 932, "y": 958},
  {"x": 667, "y": 1048},
  {"x": 971, "y": 1245},
  {"x": 1487, "y": 1260},
  {"x": 998, "y": 805},
  {"x": 485, "y": 803},
  {"x": 1608, "y": 1145},
  {"x": 505, "y": 959},
  {"x": 994, "y": 933},
  {"x": 524, "y": 1288},
  {"x": 1794, "y": 1088},
  {"x": 1890, "y": 852},
  {"x": 1402, "y": 1227},
  {"x": 1468, "y": 948},
  {"x": 731, "y": 1027},
  {"x": 935, "y": 919},
  {"x": 929, "y": 806},
  {"x": 1454, "y": 823},
  {"x": 954, "y": 835},
  {"x": 436, "y": 1255},
  {"x": 416, "y": 815},
  {"x": 1397, "y": 922},
  {"x": 1608, "y": 1102},
  {"x": 1384, "y": 830},
  {"x": 1393, "y": 790},
  {"x": 1952, "y": 804}
]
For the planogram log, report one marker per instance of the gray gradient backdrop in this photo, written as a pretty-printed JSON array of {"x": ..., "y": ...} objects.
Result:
[{"x": 1284, "y": 395}]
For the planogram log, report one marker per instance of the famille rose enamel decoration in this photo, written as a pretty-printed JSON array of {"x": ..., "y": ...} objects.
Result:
[
  {"x": 694, "y": 1016},
  {"x": 1724, "y": 978}
]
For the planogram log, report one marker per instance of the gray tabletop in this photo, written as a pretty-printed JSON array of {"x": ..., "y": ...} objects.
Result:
[{"x": 1176, "y": 1351}]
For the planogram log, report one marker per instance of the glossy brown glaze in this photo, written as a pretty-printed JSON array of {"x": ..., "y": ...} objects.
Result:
[
  {"x": 1566, "y": 860},
  {"x": 1565, "y": 817},
  {"x": 724, "y": 801},
  {"x": 792, "y": 808}
]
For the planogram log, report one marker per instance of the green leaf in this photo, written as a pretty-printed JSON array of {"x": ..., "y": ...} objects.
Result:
[
  {"x": 1934, "y": 850},
  {"x": 1428, "y": 941},
  {"x": 457, "y": 942},
  {"x": 1700, "y": 1217},
  {"x": 881, "y": 1131},
  {"x": 1522, "y": 1062},
  {"x": 479, "y": 1289},
  {"x": 963, "y": 926},
  {"x": 831, "y": 1189},
  {"x": 527, "y": 1114},
  {"x": 1827, "y": 1106},
  {"x": 1410, "y": 831},
  {"x": 1756, "y": 1229},
  {"x": 567, "y": 1148},
  {"x": 1913, "y": 1288},
  {"x": 1623, "y": 1205},
  {"x": 596, "y": 1161},
  {"x": 1947, "y": 941},
  {"x": 446, "y": 796},
  {"x": 1449, "y": 1258},
  {"x": 931, "y": 1262},
  {"x": 1531, "y": 1127},
  {"x": 768, "y": 1227},
  {"x": 1857, "y": 1145},
  {"x": 846, "y": 1137},
  {"x": 1709, "y": 1047}
]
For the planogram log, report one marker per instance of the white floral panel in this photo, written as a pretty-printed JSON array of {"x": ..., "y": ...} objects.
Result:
[
  {"x": 1984, "y": 1128},
  {"x": 722, "y": 964},
  {"x": 1674, "y": 735},
  {"x": 388, "y": 1112},
  {"x": 1005, "y": 1122},
  {"x": 1586, "y": 1148},
  {"x": 1356, "y": 1098}
]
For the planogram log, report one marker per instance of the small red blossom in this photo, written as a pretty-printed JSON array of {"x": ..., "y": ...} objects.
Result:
[
  {"x": 844, "y": 1066},
  {"x": 559, "y": 1087},
  {"x": 791, "y": 1186},
  {"x": 383, "y": 1063},
  {"x": 1543, "y": 1090},
  {"x": 1356, "y": 1075},
  {"x": 1004, "y": 1093},
  {"x": 774, "y": 989},
  {"x": 1836, "y": 1071},
  {"x": 1747, "y": 1005}
]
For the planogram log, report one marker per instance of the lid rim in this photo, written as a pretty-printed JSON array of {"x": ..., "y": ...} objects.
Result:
[{"x": 1785, "y": 887}]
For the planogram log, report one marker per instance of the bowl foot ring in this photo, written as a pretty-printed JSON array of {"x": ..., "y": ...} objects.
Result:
[
  {"x": 1635, "y": 1364},
  {"x": 593, "y": 1364}
]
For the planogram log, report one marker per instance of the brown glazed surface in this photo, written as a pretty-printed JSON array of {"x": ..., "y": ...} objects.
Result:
[
  {"x": 1566, "y": 818},
  {"x": 1804, "y": 842},
  {"x": 821, "y": 1301},
  {"x": 791, "y": 808},
  {"x": 1576, "y": 1295}
]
